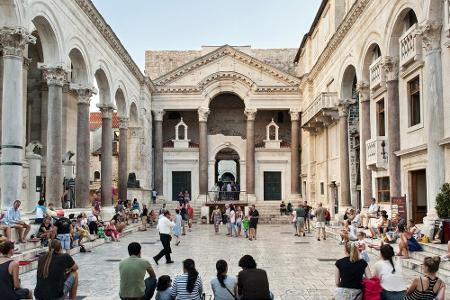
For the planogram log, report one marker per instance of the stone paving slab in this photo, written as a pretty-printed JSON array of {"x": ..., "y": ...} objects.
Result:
[{"x": 294, "y": 269}]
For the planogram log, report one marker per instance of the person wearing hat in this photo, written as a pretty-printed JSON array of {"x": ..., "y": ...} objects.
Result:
[{"x": 64, "y": 230}]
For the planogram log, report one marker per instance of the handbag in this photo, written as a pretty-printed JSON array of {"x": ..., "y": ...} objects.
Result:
[{"x": 234, "y": 296}]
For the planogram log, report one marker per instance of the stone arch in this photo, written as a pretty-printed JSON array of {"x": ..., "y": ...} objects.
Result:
[
  {"x": 224, "y": 86},
  {"x": 213, "y": 154},
  {"x": 121, "y": 103},
  {"x": 50, "y": 38},
  {"x": 134, "y": 115},
  {"x": 79, "y": 71},
  {"x": 103, "y": 86},
  {"x": 397, "y": 26},
  {"x": 348, "y": 83},
  {"x": 77, "y": 44},
  {"x": 372, "y": 52},
  {"x": 9, "y": 13}
]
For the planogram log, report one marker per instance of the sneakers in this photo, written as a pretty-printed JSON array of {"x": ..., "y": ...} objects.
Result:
[{"x": 445, "y": 258}]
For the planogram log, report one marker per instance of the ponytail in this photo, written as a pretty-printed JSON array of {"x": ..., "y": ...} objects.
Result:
[
  {"x": 55, "y": 246},
  {"x": 387, "y": 252},
  {"x": 189, "y": 268},
  {"x": 353, "y": 252},
  {"x": 221, "y": 267}
]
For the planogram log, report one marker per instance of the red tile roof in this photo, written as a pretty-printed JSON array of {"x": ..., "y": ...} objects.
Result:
[{"x": 95, "y": 120}]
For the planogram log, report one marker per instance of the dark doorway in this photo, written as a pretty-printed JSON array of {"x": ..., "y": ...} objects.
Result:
[
  {"x": 181, "y": 181},
  {"x": 272, "y": 186},
  {"x": 419, "y": 195}
]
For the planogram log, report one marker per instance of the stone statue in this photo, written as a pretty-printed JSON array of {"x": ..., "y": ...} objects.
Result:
[
  {"x": 32, "y": 146},
  {"x": 68, "y": 156}
]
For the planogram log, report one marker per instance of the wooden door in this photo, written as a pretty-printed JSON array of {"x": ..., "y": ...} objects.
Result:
[{"x": 272, "y": 185}]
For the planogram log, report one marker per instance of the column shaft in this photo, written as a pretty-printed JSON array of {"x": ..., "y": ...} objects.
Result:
[
  {"x": 203, "y": 157},
  {"x": 345, "y": 199},
  {"x": 123, "y": 160},
  {"x": 82, "y": 156},
  {"x": 393, "y": 131},
  {"x": 366, "y": 174},
  {"x": 159, "y": 157},
  {"x": 250, "y": 159},
  {"x": 295, "y": 167},
  {"x": 106, "y": 155},
  {"x": 12, "y": 130}
]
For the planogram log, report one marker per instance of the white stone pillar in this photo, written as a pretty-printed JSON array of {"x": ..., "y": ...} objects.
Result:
[
  {"x": 433, "y": 112},
  {"x": 295, "y": 154},
  {"x": 13, "y": 41},
  {"x": 56, "y": 77},
  {"x": 106, "y": 153},
  {"x": 203, "y": 151},
  {"x": 123, "y": 158},
  {"x": 250, "y": 157},
  {"x": 159, "y": 114}
]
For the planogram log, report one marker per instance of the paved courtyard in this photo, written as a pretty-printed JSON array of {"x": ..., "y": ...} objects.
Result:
[{"x": 298, "y": 268}]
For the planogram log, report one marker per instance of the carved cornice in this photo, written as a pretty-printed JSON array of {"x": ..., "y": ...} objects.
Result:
[
  {"x": 390, "y": 67},
  {"x": 350, "y": 19},
  {"x": 250, "y": 113},
  {"x": 195, "y": 90},
  {"x": 159, "y": 115},
  {"x": 203, "y": 113},
  {"x": 84, "y": 93},
  {"x": 14, "y": 40},
  {"x": 105, "y": 30},
  {"x": 219, "y": 53},
  {"x": 431, "y": 35},
  {"x": 54, "y": 74}
]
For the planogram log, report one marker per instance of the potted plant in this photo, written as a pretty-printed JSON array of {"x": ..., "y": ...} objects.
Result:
[{"x": 443, "y": 210}]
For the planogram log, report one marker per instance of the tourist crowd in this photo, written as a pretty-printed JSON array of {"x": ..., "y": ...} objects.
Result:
[{"x": 238, "y": 223}]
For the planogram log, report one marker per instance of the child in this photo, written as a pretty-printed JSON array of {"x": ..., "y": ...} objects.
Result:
[
  {"x": 101, "y": 231},
  {"x": 245, "y": 225},
  {"x": 163, "y": 288},
  {"x": 112, "y": 232},
  {"x": 361, "y": 245},
  {"x": 348, "y": 232}
]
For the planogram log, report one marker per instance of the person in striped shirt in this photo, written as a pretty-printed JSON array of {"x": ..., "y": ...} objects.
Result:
[{"x": 188, "y": 286}]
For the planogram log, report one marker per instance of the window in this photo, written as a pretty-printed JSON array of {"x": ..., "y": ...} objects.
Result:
[
  {"x": 96, "y": 176},
  {"x": 383, "y": 189},
  {"x": 414, "y": 101},
  {"x": 381, "y": 118},
  {"x": 322, "y": 188}
]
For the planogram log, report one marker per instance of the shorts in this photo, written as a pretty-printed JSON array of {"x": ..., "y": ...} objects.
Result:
[
  {"x": 253, "y": 225},
  {"x": 68, "y": 284},
  {"x": 135, "y": 211},
  {"x": 21, "y": 293},
  {"x": 346, "y": 294},
  {"x": 65, "y": 240},
  {"x": 320, "y": 224},
  {"x": 300, "y": 222}
]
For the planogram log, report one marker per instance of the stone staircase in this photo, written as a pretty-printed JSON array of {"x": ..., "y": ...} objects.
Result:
[{"x": 416, "y": 258}]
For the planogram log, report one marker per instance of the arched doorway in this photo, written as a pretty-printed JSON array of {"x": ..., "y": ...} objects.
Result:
[{"x": 227, "y": 174}]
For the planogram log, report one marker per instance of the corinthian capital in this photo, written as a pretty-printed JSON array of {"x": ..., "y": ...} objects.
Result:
[
  {"x": 123, "y": 123},
  {"x": 390, "y": 67},
  {"x": 84, "y": 93},
  {"x": 106, "y": 109},
  {"x": 250, "y": 113},
  {"x": 14, "y": 40},
  {"x": 343, "y": 105},
  {"x": 54, "y": 74},
  {"x": 431, "y": 35},
  {"x": 363, "y": 90},
  {"x": 203, "y": 114},
  {"x": 295, "y": 114},
  {"x": 159, "y": 114}
]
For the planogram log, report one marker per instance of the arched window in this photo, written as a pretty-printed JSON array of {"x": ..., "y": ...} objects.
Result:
[{"x": 96, "y": 176}]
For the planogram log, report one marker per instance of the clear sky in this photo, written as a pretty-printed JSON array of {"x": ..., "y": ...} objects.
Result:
[{"x": 188, "y": 24}]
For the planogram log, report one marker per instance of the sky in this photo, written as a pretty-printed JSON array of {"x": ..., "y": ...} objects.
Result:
[{"x": 189, "y": 24}]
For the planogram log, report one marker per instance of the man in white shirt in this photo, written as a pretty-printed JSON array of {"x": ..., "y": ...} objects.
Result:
[
  {"x": 371, "y": 213},
  {"x": 165, "y": 226}
]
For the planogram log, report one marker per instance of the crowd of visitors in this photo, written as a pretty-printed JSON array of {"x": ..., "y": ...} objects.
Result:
[{"x": 238, "y": 223}]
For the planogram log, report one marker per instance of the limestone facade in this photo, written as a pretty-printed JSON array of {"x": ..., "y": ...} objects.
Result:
[{"x": 389, "y": 60}]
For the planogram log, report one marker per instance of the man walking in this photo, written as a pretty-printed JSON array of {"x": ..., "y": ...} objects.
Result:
[
  {"x": 300, "y": 212},
  {"x": 132, "y": 272},
  {"x": 165, "y": 226},
  {"x": 320, "y": 214}
]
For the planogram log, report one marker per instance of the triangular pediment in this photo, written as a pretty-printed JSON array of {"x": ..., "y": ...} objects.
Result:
[{"x": 223, "y": 63}]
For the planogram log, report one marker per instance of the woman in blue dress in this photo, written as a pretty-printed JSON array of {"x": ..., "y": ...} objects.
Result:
[{"x": 177, "y": 228}]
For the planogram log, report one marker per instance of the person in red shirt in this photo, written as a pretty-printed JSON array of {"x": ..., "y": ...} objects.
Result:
[{"x": 190, "y": 212}]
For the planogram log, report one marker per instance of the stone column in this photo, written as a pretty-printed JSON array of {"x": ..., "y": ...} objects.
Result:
[
  {"x": 123, "y": 157},
  {"x": 159, "y": 114},
  {"x": 56, "y": 77},
  {"x": 390, "y": 66},
  {"x": 83, "y": 153},
  {"x": 250, "y": 157},
  {"x": 106, "y": 153},
  {"x": 433, "y": 112},
  {"x": 345, "y": 199},
  {"x": 203, "y": 150},
  {"x": 13, "y": 41},
  {"x": 295, "y": 163},
  {"x": 364, "y": 122}
]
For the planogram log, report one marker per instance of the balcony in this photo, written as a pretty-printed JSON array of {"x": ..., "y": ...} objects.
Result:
[
  {"x": 321, "y": 112},
  {"x": 377, "y": 153},
  {"x": 377, "y": 74},
  {"x": 410, "y": 47}
]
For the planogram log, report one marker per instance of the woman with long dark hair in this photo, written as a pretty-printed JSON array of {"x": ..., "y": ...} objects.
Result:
[
  {"x": 224, "y": 287},
  {"x": 252, "y": 282},
  {"x": 56, "y": 274},
  {"x": 188, "y": 286},
  {"x": 389, "y": 270}
]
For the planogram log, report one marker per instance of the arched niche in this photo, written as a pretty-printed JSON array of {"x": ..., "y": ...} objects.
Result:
[
  {"x": 134, "y": 115},
  {"x": 349, "y": 82},
  {"x": 103, "y": 86},
  {"x": 406, "y": 19},
  {"x": 79, "y": 73},
  {"x": 372, "y": 55},
  {"x": 49, "y": 42},
  {"x": 272, "y": 141},
  {"x": 181, "y": 135},
  {"x": 120, "y": 103},
  {"x": 227, "y": 115}
]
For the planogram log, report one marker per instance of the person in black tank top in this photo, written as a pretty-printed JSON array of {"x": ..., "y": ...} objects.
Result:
[
  {"x": 429, "y": 287},
  {"x": 9, "y": 275}
]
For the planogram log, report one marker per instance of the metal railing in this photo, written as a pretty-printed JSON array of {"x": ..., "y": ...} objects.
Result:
[{"x": 224, "y": 196}]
